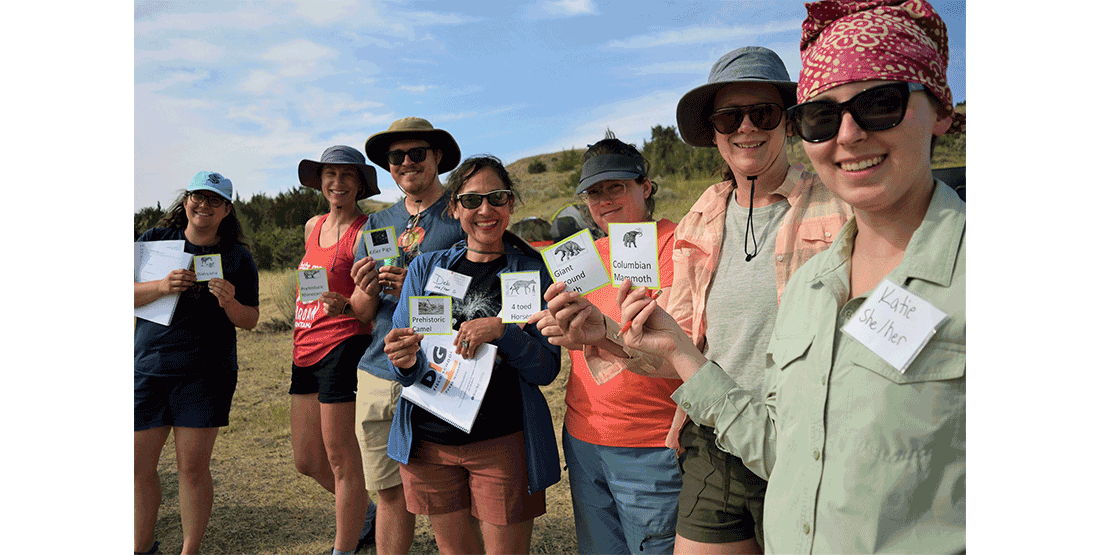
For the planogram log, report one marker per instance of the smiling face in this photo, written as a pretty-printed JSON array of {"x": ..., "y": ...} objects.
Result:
[
  {"x": 629, "y": 208},
  {"x": 885, "y": 172},
  {"x": 484, "y": 225},
  {"x": 415, "y": 178},
  {"x": 202, "y": 216},
  {"x": 749, "y": 150},
  {"x": 339, "y": 184}
]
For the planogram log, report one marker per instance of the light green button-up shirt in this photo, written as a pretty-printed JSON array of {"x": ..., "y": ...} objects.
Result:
[{"x": 859, "y": 458}]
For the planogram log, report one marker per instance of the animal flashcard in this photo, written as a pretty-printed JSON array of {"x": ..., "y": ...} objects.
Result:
[
  {"x": 208, "y": 266},
  {"x": 634, "y": 254},
  {"x": 575, "y": 261},
  {"x": 381, "y": 243},
  {"x": 520, "y": 296},
  {"x": 430, "y": 315},
  {"x": 312, "y": 283}
]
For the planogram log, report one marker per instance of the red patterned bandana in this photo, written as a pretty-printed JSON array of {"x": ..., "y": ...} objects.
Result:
[{"x": 845, "y": 41}]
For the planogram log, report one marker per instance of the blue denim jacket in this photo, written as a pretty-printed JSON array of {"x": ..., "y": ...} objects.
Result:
[{"x": 524, "y": 351}]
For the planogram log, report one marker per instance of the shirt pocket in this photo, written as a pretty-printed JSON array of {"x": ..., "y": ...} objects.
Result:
[
  {"x": 906, "y": 416},
  {"x": 782, "y": 352}
]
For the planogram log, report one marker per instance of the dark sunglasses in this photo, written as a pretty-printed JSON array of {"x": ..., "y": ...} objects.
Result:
[
  {"x": 471, "y": 201},
  {"x": 764, "y": 116},
  {"x": 417, "y": 155},
  {"x": 874, "y": 109}
]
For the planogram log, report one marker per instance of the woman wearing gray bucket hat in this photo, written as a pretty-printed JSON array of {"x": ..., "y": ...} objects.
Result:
[{"x": 330, "y": 335}]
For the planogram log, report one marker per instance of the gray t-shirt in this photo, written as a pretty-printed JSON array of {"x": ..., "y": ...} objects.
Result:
[{"x": 741, "y": 303}]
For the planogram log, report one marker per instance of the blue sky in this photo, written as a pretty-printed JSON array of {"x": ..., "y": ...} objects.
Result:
[{"x": 251, "y": 88}]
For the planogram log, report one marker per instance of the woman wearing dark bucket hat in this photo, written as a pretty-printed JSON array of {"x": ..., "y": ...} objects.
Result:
[
  {"x": 863, "y": 441},
  {"x": 185, "y": 372},
  {"x": 330, "y": 335}
]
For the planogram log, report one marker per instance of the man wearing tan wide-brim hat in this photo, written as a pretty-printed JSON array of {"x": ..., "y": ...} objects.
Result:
[{"x": 415, "y": 153}]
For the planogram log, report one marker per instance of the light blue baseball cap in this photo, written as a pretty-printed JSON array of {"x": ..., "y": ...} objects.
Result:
[{"x": 212, "y": 181}]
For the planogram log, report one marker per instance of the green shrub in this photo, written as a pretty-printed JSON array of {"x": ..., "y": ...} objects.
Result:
[{"x": 538, "y": 166}]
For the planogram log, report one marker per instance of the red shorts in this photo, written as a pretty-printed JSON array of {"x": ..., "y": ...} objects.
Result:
[{"x": 488, "y": 477}]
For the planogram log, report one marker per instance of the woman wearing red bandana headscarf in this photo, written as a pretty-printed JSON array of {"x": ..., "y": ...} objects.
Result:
[{"x": 862, "y": 433}]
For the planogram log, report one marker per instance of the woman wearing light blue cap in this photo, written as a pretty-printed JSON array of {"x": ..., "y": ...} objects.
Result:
[{"x": 185, "y": 373}]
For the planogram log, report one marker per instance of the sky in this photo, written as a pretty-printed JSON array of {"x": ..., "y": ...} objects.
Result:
[{"x": 249, "y": 89}]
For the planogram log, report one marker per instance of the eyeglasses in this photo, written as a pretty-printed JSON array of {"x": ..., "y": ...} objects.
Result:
[
  {"x": 874, "y": 109},
  {"x": 764, "y": 116},
  {"x": 211, "y": 200},
  {"x": 609, "y": 192},
  {"x": 471, "y": 201},
  {"x": 417, "y": 155}
]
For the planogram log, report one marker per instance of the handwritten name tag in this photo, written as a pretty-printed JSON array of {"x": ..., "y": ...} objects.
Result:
[
  {"x": 381, "y": 243},
  {"x": 430, "y": 315},
  {"x": 634, "y": 254},
  {"x": 575, "y": 261},
  {"x": 208, "y": 266},
  {"x": 446, "y": 282},
  {"x": 895, "y": 324},
  {"x": 519, "y": 296},
  {"x": 312, "y": 283}
]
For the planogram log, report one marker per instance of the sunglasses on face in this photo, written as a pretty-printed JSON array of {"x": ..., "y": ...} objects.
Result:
[
  {"x": 471, "y": 201},
  {"x": 874, "y": 109},
  {"x": 417, "y": 155},
  {"x": 212, "y": 201},
  {"x": 764, "y": 116}
]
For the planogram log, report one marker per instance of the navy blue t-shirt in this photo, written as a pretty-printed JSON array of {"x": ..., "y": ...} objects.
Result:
[{"x": 200, "y": 338}]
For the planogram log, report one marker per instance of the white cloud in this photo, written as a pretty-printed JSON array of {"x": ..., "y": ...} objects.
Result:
[
  {"x": 668, "y": 68},
  {"x": 698, "y": 34},
  {"x": 257, "y": 82},
  {"x": 173, "y": 79},
  {"x": 544, "y": 9},
  {"x": 329, "y": 11},
  {"x": 189, "y": 50},
  {"x": 417, "y": 89}
]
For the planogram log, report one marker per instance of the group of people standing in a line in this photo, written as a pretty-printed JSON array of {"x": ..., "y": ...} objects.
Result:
[{"x": 734, "y": 413}]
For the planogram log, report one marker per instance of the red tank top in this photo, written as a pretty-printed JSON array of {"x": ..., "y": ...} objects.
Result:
[{"x": 316, "y": 333}]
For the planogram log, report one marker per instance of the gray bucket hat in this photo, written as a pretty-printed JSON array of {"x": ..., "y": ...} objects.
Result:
[
  {"x": 413, "y": 128},
  {"x": 750, "y": 64},
  {"x": 309, "y": 172}
]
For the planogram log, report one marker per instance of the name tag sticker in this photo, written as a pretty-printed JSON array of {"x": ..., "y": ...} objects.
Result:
[
  {"x": 634, "y": 254},
  {"x": 446, "y": 282},
  {"x": 575, "y": 261},
  {"x": 430, "y": 315},
  {"x": 520, "y": 296},
  {"x": 381, "y": 243},
  {"x": 312, "y": 283},
  {"x": 208, "y": 266},
  {"x": 895, "y": 324}
]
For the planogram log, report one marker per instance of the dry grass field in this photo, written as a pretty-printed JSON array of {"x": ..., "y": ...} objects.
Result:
[{"x": 261, "y": 504}]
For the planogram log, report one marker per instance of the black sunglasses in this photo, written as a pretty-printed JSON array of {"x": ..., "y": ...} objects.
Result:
[
  {"x": 417, "y": 155},
  {"x": 874, "y": 109},
  {"x": 764, "y": 116},
  {"x": 471, "y": 201}
]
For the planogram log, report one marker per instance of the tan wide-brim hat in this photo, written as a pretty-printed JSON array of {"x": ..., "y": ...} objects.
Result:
[{"x": 413, "y": 128}]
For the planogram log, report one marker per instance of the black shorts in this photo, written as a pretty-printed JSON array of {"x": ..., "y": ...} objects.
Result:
[
  {"x": 721, "y": 500},
  {"x": 334, "y": 377},
  {"x": 195, "y": 401}
]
